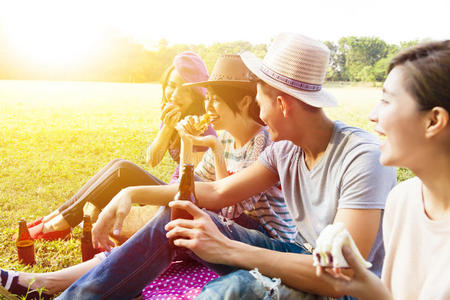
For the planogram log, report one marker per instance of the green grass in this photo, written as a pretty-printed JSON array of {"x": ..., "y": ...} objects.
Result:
[{"x": 56, "y": 135}]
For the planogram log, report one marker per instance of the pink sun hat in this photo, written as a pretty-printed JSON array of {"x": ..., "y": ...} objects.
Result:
[{"x": 191, "y": 68}]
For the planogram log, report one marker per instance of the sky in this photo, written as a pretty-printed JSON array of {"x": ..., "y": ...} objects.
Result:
[{"x": 48, "y": 23}]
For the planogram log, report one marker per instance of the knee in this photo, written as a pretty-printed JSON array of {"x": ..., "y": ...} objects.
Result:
[
  {"x": 120, "y": 163},
  {"x": 115, "y": 161}
]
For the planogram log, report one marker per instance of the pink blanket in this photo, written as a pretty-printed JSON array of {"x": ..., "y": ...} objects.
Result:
[{"x": 181, "y": 280}]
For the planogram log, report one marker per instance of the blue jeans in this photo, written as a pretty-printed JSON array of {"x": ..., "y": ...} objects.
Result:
[
  {"x": 249, "y": 285},
  {"x": 128, "y": 269}
]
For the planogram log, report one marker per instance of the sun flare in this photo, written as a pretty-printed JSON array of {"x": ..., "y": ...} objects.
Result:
[{"x": 43, "y": 37}]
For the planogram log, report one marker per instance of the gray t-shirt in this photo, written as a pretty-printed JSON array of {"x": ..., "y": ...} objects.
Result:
[{"x": 348, "y": 175}]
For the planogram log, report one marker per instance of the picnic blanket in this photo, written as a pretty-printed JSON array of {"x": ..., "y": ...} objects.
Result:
[{"x": 181, "y": 280}]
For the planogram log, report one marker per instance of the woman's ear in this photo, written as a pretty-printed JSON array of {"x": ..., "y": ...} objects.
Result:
[
  {"x": 244, "y": 104},
  {"x": 437, "y": 119}
]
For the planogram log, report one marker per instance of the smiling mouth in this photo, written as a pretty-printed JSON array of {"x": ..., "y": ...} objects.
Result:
[{"x": 379, "y": 131}]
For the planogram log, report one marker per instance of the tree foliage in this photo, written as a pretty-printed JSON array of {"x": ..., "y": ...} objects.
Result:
[{"x": 121, "y": 59}]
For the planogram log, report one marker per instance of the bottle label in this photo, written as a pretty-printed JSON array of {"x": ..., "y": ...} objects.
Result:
[{"x": 26, "y": 254}]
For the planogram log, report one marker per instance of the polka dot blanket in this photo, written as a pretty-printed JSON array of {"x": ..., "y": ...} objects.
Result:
[{"x": 181, "y": 280}]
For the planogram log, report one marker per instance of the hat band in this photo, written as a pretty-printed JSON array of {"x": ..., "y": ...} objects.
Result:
[{"x": 289, "y": 81}]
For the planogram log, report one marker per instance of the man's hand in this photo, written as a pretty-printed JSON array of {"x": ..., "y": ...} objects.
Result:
[
  {"x": 364, "y": 284},
  {"x": 200, "y": 235},
  {"x": 111, "y": 217}
]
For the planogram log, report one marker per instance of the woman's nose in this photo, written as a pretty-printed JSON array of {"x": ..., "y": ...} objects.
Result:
[{"x": 373, "y": 115}]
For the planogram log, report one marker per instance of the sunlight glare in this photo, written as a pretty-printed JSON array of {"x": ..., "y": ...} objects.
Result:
[{"x": 51, "y": 39}]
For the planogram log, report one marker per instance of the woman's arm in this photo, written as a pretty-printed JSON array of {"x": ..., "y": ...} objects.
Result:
[
  {"x": 159, "y": 147},
  {"x": 212, "y": 142},
  {"x": 155, "y": 152}
]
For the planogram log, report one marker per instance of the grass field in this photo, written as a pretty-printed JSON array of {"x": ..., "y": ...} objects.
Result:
[{"x": 56, "y": 135}]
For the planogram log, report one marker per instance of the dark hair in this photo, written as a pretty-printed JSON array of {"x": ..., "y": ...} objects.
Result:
[
  {"x": 196, "y": 108},
  {"x": 427, "y": 73},
  {"x": 232, "y": 95}
]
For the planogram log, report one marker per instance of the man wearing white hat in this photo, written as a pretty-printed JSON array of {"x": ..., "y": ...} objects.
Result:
[{"x": 328, "y": 172}]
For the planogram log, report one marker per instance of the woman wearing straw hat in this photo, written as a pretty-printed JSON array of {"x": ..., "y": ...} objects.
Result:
[
  {"x": 328, "y": 172},
  {"x": 231, "y": 105},
  {"x": 414, "y": 115}
]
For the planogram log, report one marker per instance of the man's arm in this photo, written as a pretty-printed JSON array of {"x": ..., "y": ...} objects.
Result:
[
  {"x": 235, "y": 188},
  {"x": 296, "y": 270},
  {"x": 210, "y": 195}
]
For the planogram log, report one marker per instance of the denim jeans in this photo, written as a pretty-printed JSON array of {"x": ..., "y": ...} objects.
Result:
[
  {"x": 249, "y": 285},
  {"x": 129, "y": 268}
]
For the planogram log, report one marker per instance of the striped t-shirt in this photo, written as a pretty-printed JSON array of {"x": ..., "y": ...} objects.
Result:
[{"x": 269, "y": 206}]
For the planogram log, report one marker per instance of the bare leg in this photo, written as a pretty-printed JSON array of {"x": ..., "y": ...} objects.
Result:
[{"x": 58, "y": 281}]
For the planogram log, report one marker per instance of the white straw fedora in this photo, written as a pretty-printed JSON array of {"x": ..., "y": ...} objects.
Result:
[
  {"x": 229, "y": 70},
  {"x": 296, "y": 65}
]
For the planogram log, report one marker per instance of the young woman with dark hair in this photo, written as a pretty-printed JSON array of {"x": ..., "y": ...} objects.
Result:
[{"x": 414, "y": 116}]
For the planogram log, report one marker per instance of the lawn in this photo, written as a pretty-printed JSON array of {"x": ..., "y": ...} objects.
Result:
[{"x": 56, "y": 135}]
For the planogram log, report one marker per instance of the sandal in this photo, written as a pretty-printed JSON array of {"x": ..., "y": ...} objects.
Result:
[
  {"x": 52, "y": 235},
  {"x": 10, "y": 287},
  {"x": 35, "y": 222}
]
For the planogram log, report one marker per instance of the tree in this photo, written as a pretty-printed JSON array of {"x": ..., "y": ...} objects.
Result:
[{"x": 361, "y": 52}]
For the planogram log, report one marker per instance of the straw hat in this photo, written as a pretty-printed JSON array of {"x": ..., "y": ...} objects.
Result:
[
  {"x": 296, "y": 65},
  {"x": 229, "y": 70}
]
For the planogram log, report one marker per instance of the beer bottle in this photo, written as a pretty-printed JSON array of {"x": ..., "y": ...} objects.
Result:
[
  {"x": 186, "y": 191},
  {"x": 87, "y": 250},
  {"x": 25, "y": 245}
]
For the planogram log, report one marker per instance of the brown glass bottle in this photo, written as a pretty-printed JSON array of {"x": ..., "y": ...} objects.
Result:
[
  {"x": 25, "y": 245},
  {"x": 87, "y": 250},
  {"x": 186, "y": 191}
]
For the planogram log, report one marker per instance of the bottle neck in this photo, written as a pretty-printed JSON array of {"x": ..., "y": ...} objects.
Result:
[
  {"x": 24, "y": 234},
  {"x": 186, "y": 186}
]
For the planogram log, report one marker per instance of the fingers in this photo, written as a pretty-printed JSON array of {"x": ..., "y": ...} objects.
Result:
[
  {"x": 100, "y": 236},
  {"x": 352, "y": 260},
  {"x": 189, "y": 244},
  {"x": 188, "y": 206},
  {"x": 180, "y": 232},
  {"x": 188, "y": 125},
  {"x": 118, "y": 223},
  {"x": 171, "y": 117},
  {"x": 166, "y": 109},
  {"x": 180, "y": 222}
]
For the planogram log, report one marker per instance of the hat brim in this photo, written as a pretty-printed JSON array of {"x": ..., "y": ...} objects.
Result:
[
  {"x": 209, "y": 83},
  {"x": 320, "y": 98}
]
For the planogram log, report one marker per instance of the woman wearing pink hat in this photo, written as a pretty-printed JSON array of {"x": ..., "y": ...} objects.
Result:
[
  {"x": 414, "y": 116},
  {"x": 178, "y": 102}
]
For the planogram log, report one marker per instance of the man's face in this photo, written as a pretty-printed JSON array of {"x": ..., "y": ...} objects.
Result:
[{"x": 269, "y": 111}]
